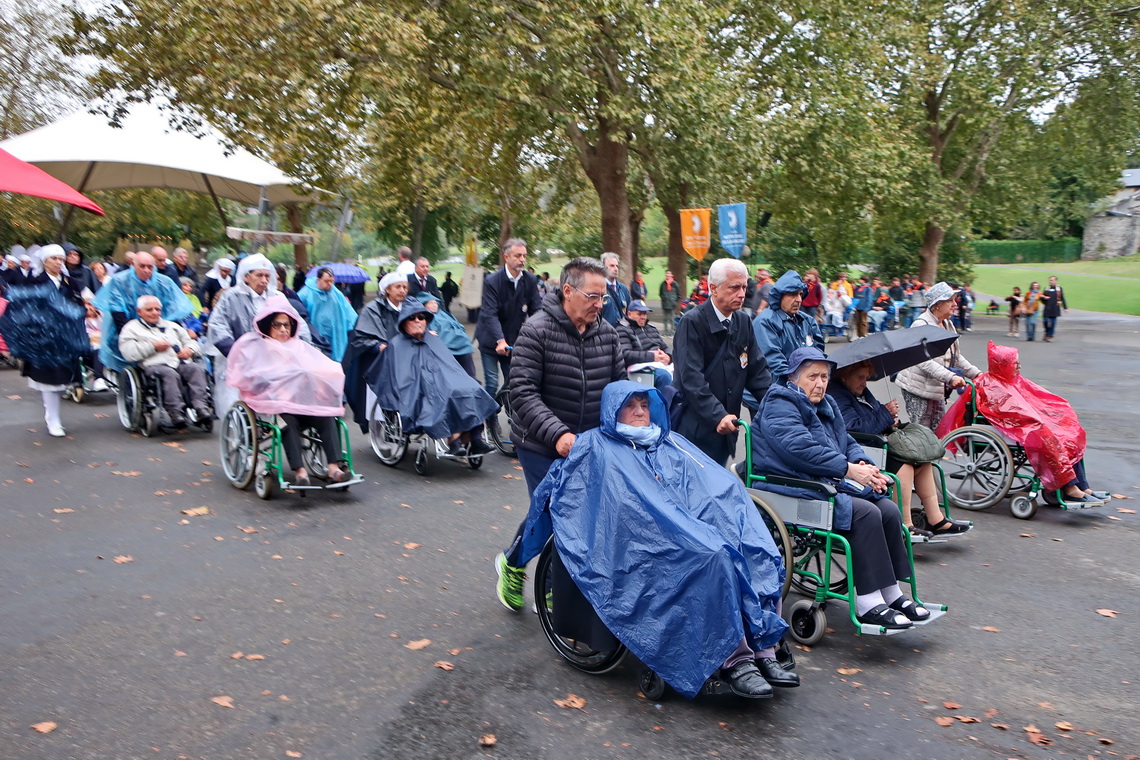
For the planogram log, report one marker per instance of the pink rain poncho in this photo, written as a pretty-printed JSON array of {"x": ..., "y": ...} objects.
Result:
[
  {"x": 284, "y": 377},
  {"x": 1042, "y": 422}
]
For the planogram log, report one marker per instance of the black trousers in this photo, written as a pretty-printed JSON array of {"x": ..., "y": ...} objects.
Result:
[
  {"x": 291, "y": 437},
  {"x": 879, "y": 556}
]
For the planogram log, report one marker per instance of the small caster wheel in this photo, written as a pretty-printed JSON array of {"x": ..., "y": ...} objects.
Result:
[
  {"x": 149, "y": 426},
  {"x": 918, "y": 518},
  {"x": 475, "y": 462},
  {"x": 265, "y": 485},
  {"x": 422, "y": 461},
  {"x": 651, "y": 685},
  {"x": 806, "y": 624},
  {"x": 1023, "y": 507}
]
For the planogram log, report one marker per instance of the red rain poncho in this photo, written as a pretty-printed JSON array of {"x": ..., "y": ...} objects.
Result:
[
  {"x": 290, "y": 377},
  {"x": 1043, "y": 423}
]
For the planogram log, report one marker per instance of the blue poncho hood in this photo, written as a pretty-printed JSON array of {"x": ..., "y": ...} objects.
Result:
[
  {"x": 666, "y": 545},
  {"x": 789, "y": 282},
  {"x": 447, "y": 326},
  {"x": 330, "y": 313},
  {"x": 121, "y": 294}
]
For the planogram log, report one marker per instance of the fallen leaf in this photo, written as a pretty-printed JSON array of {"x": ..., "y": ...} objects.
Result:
[
  {"x": 291, "y": 753},
  {"x": 47, "y": 726},
  {"x": 223, "y": 701},
  {"x": 572, "y": 702},
  {"x": 443, "y": 665},
  {"x": 1104, "y": 741},
  {"x": 848, "y": 671},
  {"x": 991, "y": 629},
  {"x": 237, "y": 655},
  {"x": 1000, "y": 726},
  {"x": 255, "y": 657},
  {"x": 1040, "y": 740},
  {"x": 1126, "y": 511},
  {"x": 64, "y": 511},
  {"x": 451, "y": 652},
  {"x": 458, "y": 501},
  {"x": 131, "y": 474},
  {"x": 197, "y": 511},
  {"x": 1047, "y": 706},
  {"x": 412, "y": 545},
  {"x": 219, "y": 538},
  {"x": 1028, "y": 535},
  {"x": 172, "y": 444},
  {"x": 247, "y": 530},
  {"x": 966, "y": 719},
  {"x": 122, "y": 559},
  {"x": 1112, "y": 517},
  {"x": 487, "y": 740},
  {"x": 207, "y": 462},
  {"x": 15, "y": 397},
  {"x": 952, "y": 705},
  {"x": 417, "y": 644},
  {"x": 944, "y": 721},
  {"x": 179, "y": 653},
  {"x": 991, "y": 712},
  {"x": 1064, "y": 725},
  {"x": 1107, "y": 613}
]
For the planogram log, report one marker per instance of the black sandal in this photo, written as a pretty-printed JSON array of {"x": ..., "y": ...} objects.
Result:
[
  {"x": 882, "y": 615},
  {"x": 951, "y": 527},
  {"x": 911, "y": 609}
]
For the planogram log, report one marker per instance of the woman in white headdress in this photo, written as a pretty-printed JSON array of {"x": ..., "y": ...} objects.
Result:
[
  {"x": 377, "y": 323},
  {"x": 219, "y": 278}
]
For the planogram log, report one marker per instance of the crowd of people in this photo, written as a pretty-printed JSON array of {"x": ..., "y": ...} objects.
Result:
[
  {"x": 564, "y": 350},
  {"x": 1050, "y": 303}
]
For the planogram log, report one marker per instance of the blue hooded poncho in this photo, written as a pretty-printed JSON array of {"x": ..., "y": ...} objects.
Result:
[
  {"x": 121, "y": 294},
  {"x": 778, "y": 333},
  {"x": 665, "y": 544},
  {"x": 331, "y": 313},
  {"x": 421, "y": 380},
  {"x": 448, "y": 328}
]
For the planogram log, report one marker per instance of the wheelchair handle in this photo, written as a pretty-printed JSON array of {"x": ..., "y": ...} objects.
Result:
[{"x": 747, "y": 451}]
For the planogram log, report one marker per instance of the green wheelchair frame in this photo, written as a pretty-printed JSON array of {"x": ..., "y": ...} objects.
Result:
[
  {"x": 252, "y": 452},
  {"x": 878, "y": 443},
  {"x": 814, "y": 552},
  {"x": 978, "y": 454}
]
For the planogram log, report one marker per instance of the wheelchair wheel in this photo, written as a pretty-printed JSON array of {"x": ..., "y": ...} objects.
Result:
[
  {"x": 313, "y": 454},
  {"x": 475, "y": 462},
  {"x": 499, "y": 426},
  {"x": 652, "y": 685},
  {"x": 238, "y": 443},
  {"x": 808, "y": 555},
  {"x": 130, "y": 398},
  {"x": 1023, "y": 507},
  {"x": 76, "y": 393},
  {"x": 577, "y": 653},
  {"x": 422, "y": 464},
  {"x": 386, "y": 434},
  {"x": 978, "y": 465},
  {"x": 265, "y": 485},
  {"x": 148, "y": 426},
  {"x": 807, "y": 625},
  {"x": 780, "y": 535}
]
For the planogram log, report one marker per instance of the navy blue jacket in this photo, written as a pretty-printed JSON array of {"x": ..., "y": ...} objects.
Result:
[
  {"x": 861, "y": 414},
  {"x": 504, "y": 309},
  {"x": 615, "y": 308},
  {"x": 778, "y": 333}
]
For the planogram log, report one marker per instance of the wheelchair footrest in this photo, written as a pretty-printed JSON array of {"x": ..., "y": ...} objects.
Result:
[
  {"x": 325, "y": 486},
  {"x": 1075, "y": 507},
  {"x": 936, "y": 611}
]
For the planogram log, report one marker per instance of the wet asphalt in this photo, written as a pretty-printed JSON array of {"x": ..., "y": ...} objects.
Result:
[{"x": 363, "y": 625}]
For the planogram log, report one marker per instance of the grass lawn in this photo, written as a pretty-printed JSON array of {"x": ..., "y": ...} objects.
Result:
[{"x": 1109, "y": 286}]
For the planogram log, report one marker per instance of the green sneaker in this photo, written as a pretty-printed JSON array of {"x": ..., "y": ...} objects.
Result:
[{"x": 510, "y": 585}]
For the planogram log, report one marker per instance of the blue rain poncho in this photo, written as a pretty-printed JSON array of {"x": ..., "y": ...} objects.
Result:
[
  {"x": 329, "y": 312},
  {"x": 121, "y": 294},
  {"x": 448, "y": 328},
  {"x": 666, "y": 545}
]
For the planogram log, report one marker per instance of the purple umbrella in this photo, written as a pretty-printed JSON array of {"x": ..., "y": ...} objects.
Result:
[{"x": 343, "y": 273}]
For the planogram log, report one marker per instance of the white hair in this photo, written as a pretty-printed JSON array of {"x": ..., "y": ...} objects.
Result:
[
  {"x": 722, "y": 268},
  {"x": 610, "y": 256},
  {"x": 143, "y": 300}
]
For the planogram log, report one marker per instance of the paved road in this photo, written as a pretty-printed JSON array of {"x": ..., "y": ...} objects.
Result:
[{"x": 125, "y": 657}]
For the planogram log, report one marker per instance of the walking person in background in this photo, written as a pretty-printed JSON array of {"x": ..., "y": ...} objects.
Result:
[
  {"x": 510, "y": 296},
  {"x": 813, "y": 295},
  {"x": 449, "y": 290},
  {"x": 670, "y": 293},
  {"x": 863, "y": 299},
  {"x": 1053, "y": 300},
  {"x": 1014, "y": 302},
  {"x": 1029, "y": 307}
]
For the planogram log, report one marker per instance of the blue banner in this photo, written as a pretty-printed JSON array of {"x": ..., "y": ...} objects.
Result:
[{"x": 733, "y": 227}]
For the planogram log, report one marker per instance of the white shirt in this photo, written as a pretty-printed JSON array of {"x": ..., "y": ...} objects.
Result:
[
  {"x": 514, "y": 280},
  {"x": 720, "y": 317},
  {"x": 406, "y": 268}
]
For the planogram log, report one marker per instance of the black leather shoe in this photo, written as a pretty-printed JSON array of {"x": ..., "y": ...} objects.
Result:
[
  {"x": 745, "y": 681},
  {"x": 776, "y": 674},
  {"x": 478, "y": 448},
  {"x": 456, "y": 448}
]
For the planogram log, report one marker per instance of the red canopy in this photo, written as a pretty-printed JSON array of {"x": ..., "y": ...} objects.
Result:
[{"x": 18, "y": 176}]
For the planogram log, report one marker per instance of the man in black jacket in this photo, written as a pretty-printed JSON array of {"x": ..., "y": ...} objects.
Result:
[
  {"x": 1053, "y": 298},
  {"x": 510, "y": 295},
  {"x": 421, "y": 280},
  {"x": 640, "y": 342},
  {"x": 716, "y": 358},
  {"x": 564, "y": 356},
  {"x": 183, "y": 268}
]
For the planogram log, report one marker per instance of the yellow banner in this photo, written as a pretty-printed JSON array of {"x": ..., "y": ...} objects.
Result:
[
  {"x": 471, "y": 249},
  {"x": 695, "y": 232}
]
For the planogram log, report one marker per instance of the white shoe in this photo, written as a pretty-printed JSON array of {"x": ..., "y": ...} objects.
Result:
[
  {"x": 56, "y": 430},
  {"x": 99, "y": 385}
]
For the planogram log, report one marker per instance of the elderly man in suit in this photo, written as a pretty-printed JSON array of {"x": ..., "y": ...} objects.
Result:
[
  {"x": 510, "y": 296},
  {"x": 420, "y": 281},
  {"x": 716, "y": 358}
]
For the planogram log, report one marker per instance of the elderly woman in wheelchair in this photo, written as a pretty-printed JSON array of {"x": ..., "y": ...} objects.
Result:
[
  {"x": 799, "y": 435},
  {"x": 864, "y": 416},
  {"x": 656, "y": 545},
  {"x": 277, "y": 373}
]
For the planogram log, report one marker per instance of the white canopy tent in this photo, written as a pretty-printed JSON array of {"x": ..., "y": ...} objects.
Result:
[{"x": 89, "y": 154}]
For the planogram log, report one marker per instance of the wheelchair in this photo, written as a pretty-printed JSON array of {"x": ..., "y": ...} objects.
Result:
[
  {"x": 499, "y": 426},
  {"x": 139, "y": 403},
  {"x": 846, "y": 330},
  {"x": 78, "y": 391},
  {"x": 585, "y": 657},
  {"x": 821, "y": 566},
  {"x": 251, "y": 452},
  {"x": 390, "y": 442},
  {"x": 986, "y": 466}
]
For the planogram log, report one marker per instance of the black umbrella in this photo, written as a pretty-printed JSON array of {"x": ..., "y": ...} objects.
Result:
[
  {"x": 890, "y": 352},
  {"x": 43, "y": 328}
]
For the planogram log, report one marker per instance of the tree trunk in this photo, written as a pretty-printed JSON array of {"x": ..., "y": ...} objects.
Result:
[
  {"x": 506, "y": 223},
  {"x": 928, "y": 253},
  {"x": 417, "y": 214},
  {"x": 635, "y": 220},
  {"x": 678, "y": 259},
  {"x": 300, "y": 250},
  {"x": 606, "y": 164}
]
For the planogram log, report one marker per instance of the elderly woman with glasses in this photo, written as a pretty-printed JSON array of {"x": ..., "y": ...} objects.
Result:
[{"x": 276, "y": 372}]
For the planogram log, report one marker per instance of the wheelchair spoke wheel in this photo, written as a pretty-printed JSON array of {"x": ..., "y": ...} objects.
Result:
[
  {"x": 499, "y": 426},
  {"x": 313, "y": 454},
  {"x": 780, "y": 535},
  {"x": 129, "y": 401},
  {"x": 979, "y": 467},
  {"x": 386, "y": 434},
  {"x": 808, "y": 553},
  {"x": 577, "y": 653},
  {"x": 238, "y": 442}
]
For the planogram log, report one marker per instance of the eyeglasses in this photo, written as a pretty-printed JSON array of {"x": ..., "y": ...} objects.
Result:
[
  {"x": 282, "y": 325},
  {"x": 592, "y": 297}
]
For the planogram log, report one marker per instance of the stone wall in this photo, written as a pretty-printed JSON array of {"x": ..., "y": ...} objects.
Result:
[{"x": 1111, "y": 236}]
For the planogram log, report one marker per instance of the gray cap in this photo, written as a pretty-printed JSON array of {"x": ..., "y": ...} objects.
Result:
[
  {"x": 638, "y": 305},
  {"x": 939, "y": 292}
]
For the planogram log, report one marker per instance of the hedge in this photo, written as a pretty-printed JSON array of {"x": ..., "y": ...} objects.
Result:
[{"x": 1018, "y": 251}]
